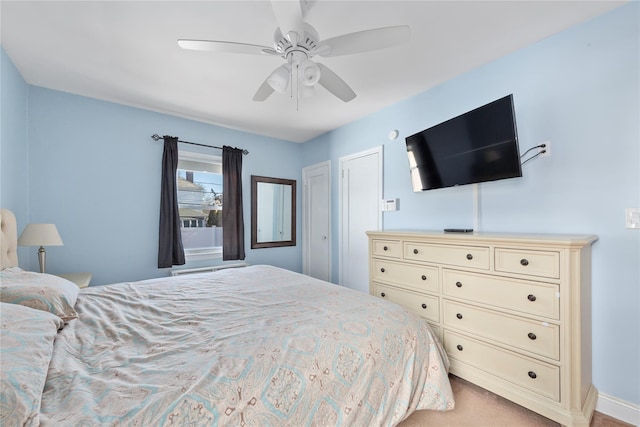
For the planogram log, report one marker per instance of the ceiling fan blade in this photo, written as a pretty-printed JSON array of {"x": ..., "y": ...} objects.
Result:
[
  {"x": 306, "y": 6},
  {"x": 226, "y": 47},
  {"x": 334, "y": 84},
  {"x": 289, "y": 16},
  {"x": 364, "y": 41},
  {"x": 264, "y": 91}
]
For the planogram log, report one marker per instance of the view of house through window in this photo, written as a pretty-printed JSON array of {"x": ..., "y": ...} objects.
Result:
[{"x": 200, "y": 203}]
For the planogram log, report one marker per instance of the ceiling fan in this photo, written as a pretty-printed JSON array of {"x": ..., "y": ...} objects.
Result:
[{"x": 297, "y": 42}]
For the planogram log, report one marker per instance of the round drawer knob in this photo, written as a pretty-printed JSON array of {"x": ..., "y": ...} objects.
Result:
[
  {"x": 524, "y": 262},
  {"x": 415, "y": 251},
  {"x": 424, "y": 305},
  {"x": 469, "y": 257},
  {"x": 531, "y": 297},
  {"x": 459, "y": 347},
  {"x": 459, "y": 284},
  {"x": 385, "y": 248},
  {"x": 382, "y": 294},
  {"x": 532, "y": 375},
  {"x": 382, "y": 270},
  {"x": 459, "y": 316},
  {"x": 532, "y": 336},
  {"x": 424, "y": 277}
]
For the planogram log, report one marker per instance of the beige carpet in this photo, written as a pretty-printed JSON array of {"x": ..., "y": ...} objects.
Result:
[{"x": 476, "y": 407}]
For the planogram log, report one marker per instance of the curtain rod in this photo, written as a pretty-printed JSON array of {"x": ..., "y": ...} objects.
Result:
[{"x": 157, "y": 137}]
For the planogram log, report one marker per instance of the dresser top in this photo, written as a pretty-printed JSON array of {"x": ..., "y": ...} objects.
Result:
[{"x": 530, "y": 238}]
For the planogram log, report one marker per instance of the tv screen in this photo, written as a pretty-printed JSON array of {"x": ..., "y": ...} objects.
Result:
[{"x": 480, "y": 145}]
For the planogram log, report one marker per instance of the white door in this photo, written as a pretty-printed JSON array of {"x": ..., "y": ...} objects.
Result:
[
  {"x": 360, "y": 196},
  {"x": 316, "y": 223}
]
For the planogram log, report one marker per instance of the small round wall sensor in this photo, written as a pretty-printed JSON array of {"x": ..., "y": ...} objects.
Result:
[{"x": 393, "y": 134}]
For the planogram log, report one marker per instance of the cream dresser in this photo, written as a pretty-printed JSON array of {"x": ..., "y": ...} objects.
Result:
[{"x": 513, "y": 311}]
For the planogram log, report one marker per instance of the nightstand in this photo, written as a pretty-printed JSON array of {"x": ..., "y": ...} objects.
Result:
[{"x": 80, "y": 279}]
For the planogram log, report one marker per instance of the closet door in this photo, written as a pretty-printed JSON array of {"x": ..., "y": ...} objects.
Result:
[
  {"x": 360, "y": 199},
  {"x": 316, "y": 227}
]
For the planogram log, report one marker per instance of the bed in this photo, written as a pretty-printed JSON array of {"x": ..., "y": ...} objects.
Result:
[{"x": 253, "y": 346}]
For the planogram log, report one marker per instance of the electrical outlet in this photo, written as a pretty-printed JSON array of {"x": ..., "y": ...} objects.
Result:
[{"x": 546, "y": 150}]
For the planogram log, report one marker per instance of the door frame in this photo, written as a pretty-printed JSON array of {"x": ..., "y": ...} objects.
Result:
[
  {"x": 375, "y": 150},
  {"x": 305, "y": 219}
]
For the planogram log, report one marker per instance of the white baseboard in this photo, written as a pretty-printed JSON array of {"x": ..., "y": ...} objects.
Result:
[{"x": 619, "y": 409}]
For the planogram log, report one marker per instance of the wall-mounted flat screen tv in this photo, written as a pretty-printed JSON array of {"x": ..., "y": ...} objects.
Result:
[{"x": 478, "y": 146}]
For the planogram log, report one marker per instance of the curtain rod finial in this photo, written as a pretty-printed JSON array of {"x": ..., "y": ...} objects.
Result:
[{"x": 156, "y": 137}]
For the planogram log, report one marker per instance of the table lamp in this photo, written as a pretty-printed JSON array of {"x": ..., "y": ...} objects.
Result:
[{"x": 40, "y": 235}]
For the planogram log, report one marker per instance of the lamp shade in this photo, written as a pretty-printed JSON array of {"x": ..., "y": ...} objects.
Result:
[
  {"x": 310, "y": 73},
  {"x": 307, "y": 91},
  {"x": 279, "y": 79},
  {"x": 40, "y": 235}
]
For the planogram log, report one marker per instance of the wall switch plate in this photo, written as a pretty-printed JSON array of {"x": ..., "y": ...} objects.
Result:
[
  {"x": 632, "y": 217},
  {"x": 389, "y": 205},
  {"x": 546, "y": 149}
]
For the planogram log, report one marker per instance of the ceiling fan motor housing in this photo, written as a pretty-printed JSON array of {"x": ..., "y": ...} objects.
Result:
[{"x": 307, "y": 44}]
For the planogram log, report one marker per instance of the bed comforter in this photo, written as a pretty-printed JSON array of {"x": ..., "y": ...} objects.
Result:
[{"x": 255, "y": 346}]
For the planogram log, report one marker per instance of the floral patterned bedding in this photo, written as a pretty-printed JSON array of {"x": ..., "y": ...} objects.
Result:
[
  {"x": 26, "y": 345},
  {"x": 254, "y": 346}
]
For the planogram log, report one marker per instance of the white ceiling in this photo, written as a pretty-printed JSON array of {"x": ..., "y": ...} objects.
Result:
[{"x": 126, "y": 52}]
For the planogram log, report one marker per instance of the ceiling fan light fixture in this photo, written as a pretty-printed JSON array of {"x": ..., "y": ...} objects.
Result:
[
  {"x": 310, "y": 73},
  {"x": 307, "y": 91},
  {"x": 279, "y": 79}
]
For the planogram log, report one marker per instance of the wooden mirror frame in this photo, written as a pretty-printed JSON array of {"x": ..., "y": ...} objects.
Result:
[{"x": 254, "y": 212}]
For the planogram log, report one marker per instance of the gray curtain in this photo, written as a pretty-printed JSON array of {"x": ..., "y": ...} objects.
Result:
[
  {"x": 232, "y": 217},
  {"x": 170, "y": 249}
]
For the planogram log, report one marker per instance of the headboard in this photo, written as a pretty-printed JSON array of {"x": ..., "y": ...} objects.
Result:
[{"x": 8, "y": 239}]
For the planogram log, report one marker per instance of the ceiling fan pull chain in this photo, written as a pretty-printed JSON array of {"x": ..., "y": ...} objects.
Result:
[{"x": 297, "y": 87}]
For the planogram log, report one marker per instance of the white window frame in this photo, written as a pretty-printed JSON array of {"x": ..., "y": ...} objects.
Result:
[{"x": 201, "y": 253}]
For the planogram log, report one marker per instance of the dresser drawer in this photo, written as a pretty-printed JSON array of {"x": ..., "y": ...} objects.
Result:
[
  {"x": 424, "y": 305},
  {"x": 539, "y": 377},
  {"x": 527, "y": 335},
  {"x": 386, "y": 248},
  {"x": 532, "y": 298},
  {"x": 463, "y": 256},
  {"x": 419, "y": 278},
  {"x": 532, "y": 263}
]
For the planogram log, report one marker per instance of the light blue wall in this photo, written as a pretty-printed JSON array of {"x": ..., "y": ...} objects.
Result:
[
  {"x": 580, "y": 90},
  {"x": 13, "y": 142},
  {"x": 94, "y": 171}
]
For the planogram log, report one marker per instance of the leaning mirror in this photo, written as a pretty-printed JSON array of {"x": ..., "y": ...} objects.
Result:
[{"x": 273, "y": 212}]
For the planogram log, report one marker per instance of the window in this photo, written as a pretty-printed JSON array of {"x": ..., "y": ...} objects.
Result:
[{"x": 199, "y": 179}]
